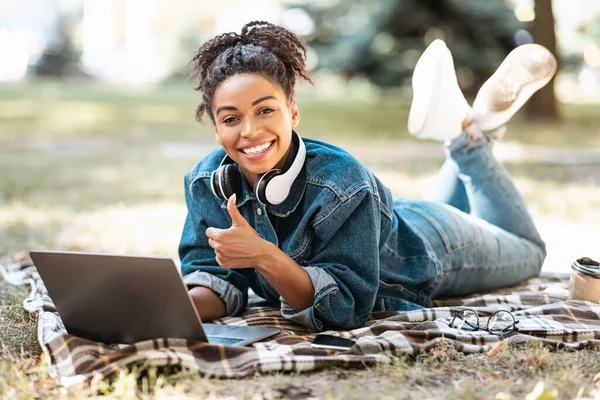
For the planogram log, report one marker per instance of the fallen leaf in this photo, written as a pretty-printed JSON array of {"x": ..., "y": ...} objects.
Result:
[{"x": 497, "y": 349}]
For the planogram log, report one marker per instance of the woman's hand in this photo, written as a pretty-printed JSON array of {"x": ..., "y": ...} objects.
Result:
[{"x": 239, "y": 246}]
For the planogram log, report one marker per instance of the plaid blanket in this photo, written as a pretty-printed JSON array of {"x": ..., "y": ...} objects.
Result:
[{"x": 539, "y": 304}]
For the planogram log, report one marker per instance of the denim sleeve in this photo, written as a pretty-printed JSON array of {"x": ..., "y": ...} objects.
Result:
[
  {"x": 198, "y": 263},
  {"x": 344, "y": 269},
  {"x": 232, "y": 296}
]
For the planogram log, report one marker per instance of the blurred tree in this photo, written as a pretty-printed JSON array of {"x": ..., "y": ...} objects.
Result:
[
  {"x": 383, "y": 40},
  {"x": 543, "y": 104},
  {"x": 60, "y": 58}
]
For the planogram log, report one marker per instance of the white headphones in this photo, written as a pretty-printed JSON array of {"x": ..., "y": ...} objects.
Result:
[{"x": 270, "y": 188}]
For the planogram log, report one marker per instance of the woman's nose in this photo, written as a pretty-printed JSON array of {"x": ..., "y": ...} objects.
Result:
[{"x": 250, "y": 128}]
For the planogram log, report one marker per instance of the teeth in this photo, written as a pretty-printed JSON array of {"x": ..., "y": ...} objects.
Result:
[{"x": 257, "y": 149}]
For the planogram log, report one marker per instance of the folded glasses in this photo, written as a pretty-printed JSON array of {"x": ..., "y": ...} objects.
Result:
[{"x": 500, "y": 323}]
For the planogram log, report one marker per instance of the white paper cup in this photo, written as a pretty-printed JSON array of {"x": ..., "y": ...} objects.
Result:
[{"x": 585, "y": 280}]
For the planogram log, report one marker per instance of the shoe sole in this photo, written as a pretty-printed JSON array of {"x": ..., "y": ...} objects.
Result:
[{"x": 525, "y": 92}]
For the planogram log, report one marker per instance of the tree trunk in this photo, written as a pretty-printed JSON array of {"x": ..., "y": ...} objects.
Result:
[{"x": 542, "y": 105}]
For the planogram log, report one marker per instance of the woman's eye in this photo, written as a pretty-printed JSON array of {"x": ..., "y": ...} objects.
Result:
[
  {"x": 266, "y": 111},
  {"x": 229, "y": 120}
]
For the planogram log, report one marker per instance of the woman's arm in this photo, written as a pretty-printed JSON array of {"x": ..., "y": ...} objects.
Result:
[
  {"x": 338, "y": 287},
  {"x": 241, "y": 247},
  {"x": 343, "y": 263},
  {"x": 208, "y": 303},
  {"x": 290, "y": 280},
  {"x": 199, "y": 267}
]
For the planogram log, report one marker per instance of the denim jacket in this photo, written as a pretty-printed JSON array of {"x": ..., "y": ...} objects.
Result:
[{"x": 339, "y": 222}]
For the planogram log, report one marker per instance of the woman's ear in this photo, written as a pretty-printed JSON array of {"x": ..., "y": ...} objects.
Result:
[{"x": 295, "y": 113}]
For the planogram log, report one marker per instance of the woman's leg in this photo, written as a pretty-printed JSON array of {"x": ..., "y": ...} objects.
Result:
[
  {"x": 449, "y": 189},
  {"x": 492, "y": 194},
  {"x": 434, "y": 82},
  {"x": 498, "y": 245},
  {"x": 510, "y": 248}
]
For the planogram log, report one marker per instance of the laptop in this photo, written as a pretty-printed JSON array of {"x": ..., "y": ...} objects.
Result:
[{"x": 127, "y": 299}]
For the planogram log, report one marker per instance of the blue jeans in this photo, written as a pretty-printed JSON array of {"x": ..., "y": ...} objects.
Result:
[{"x": 477, "y": 223}]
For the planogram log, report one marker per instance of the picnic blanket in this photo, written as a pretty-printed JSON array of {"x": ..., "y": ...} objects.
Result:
[{"x": 540, "y": 305}]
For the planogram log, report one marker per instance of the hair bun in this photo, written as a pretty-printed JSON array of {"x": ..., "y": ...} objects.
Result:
[
  {"x": 254, "y": 25},
  {"x": 279, "y": 54}
]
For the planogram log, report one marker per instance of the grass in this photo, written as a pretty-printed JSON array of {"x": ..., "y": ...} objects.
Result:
[
  {"x": 18, "y": 335},
  {"x": 55, "y": 110},
  {"x": 98, "y": 168},
  {"x": 442, "y": 372}
]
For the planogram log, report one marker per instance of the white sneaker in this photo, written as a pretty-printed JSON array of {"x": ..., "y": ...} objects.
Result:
[
  {"x": 525, "y": 70},
  {"x": 438, "y": 107}
]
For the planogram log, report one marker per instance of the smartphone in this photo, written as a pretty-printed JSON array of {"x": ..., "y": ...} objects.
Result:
[{"x": 331, "y": 342}]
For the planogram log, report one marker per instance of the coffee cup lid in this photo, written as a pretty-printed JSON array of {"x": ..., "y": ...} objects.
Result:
[{"x": 587, "y": 266}]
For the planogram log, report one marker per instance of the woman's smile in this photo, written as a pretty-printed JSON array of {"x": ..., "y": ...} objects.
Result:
[{"x": 258, "y": 152}]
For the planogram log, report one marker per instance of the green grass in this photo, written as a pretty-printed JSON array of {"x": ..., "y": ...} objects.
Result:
[
  {"x": 87, "y": 167},
  {"x": 51, "y": 110},
  {"x": 18, "y": 334}
]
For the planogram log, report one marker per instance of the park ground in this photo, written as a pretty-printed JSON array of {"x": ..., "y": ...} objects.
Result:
[{"x": 95, "y": 168}]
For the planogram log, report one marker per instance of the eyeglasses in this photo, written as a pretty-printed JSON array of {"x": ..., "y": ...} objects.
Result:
[{"x": 500, "y": 323}]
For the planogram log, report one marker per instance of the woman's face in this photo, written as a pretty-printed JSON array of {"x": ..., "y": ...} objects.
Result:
[{"x": 254, "y": 122}]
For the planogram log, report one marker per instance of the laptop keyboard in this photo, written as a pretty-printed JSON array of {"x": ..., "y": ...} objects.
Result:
[{"x": 224, "y": 340}]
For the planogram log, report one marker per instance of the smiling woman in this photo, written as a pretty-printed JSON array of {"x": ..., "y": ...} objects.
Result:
[
  {"x": 335, "y": 245},
  {"x": 254, "y": 122}
]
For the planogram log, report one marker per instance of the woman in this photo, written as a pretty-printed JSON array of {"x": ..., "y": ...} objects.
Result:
[{"x": 322, "y": 238}]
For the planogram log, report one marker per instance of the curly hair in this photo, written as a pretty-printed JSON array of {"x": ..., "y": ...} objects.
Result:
[{"x": 262, "y": 48}]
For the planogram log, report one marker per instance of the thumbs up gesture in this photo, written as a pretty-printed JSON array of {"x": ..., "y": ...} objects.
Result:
[{"x": 238, "y": 246}]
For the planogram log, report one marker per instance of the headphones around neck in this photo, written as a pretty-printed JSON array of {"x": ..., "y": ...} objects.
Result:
[{"x": 270, "y": 188}]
